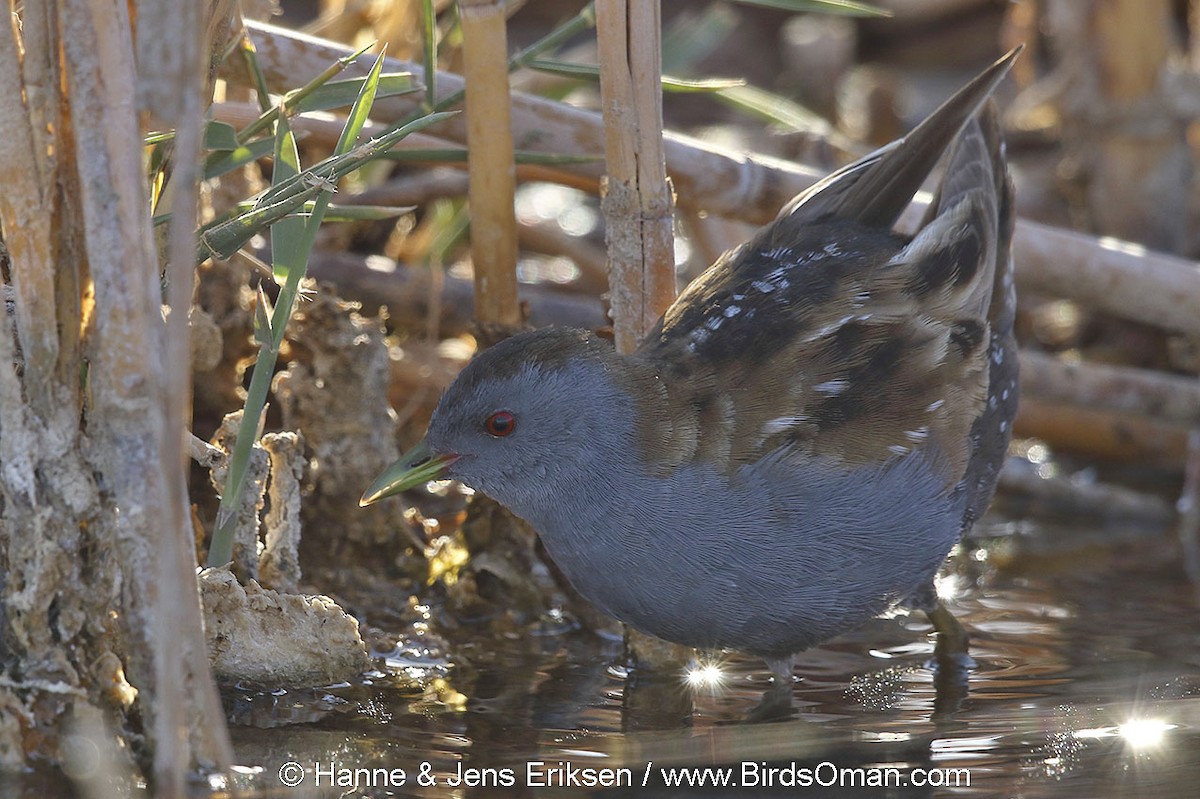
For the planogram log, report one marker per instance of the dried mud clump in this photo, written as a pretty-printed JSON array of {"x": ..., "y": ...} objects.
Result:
[{"x": 335, "y": 392}]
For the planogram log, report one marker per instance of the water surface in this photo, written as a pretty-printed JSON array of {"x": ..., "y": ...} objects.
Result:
[{"x": 1087, "y": 684}]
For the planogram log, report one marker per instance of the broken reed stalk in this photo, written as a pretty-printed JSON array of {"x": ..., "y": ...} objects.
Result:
[
  {"x": 635, "y": 196},
  {"x": 1112, "y": 413},
  {"x": 1138, "y": 156},
  {"x": 27, "y": 208},
  {"x": 1065, "y": 496},
  {"x": 1120, "y": 389},
  {"x": 171, "y": 93},
  {"x": 75, "y": 205},
  {"x": 1106, "y": 274},
  {"x": 1100, "y": 434},
  {"x": 1117, "y": 277},
  {"x": 1188, "y": 507},
  {"x": 490, "y": 163},
  {"x": 407, "y": 291},
  {"x": 636, "y": 201}
]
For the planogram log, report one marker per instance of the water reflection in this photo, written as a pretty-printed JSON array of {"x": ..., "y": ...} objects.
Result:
[{"x": 1087, "y": 684}]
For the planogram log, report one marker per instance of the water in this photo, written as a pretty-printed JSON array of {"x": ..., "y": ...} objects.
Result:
[{"x": 1087, "y": 684}]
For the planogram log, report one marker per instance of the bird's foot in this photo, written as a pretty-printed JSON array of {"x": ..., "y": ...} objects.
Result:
[
  {"x": 776, "y": 702},
  {"x": 952, "y": 662},
  {"x": 952, "y": 648},
  {"x": 775, "y": 705}
]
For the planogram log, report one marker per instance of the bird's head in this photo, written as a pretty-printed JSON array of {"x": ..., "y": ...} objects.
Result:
[{"x": 524, "y": 416}]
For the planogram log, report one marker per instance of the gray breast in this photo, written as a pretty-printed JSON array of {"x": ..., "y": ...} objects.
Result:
[{"x": 781, "y": 556}]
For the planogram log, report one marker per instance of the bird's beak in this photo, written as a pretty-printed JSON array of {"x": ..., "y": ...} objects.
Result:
[{"x": 418, "y": 466}]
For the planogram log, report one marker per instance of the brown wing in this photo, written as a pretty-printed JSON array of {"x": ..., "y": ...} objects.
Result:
[{"x": 838, "y": 337}]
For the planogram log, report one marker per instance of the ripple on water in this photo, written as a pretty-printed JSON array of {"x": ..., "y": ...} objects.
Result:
[{"x": 1087, "y": 684}]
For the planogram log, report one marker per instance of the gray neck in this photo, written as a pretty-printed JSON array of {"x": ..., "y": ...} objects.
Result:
[{"x": 582, "y": 505}]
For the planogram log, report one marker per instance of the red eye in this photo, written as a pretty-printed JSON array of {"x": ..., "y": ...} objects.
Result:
[{"x": 500, "y": 424}]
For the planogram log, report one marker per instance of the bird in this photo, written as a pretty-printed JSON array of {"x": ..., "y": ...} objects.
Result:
[{"x": 801, "y": 439}]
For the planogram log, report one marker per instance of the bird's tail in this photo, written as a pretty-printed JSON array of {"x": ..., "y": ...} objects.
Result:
[
  {"x": 978, "y": 174},
  {"x": 875, "y": 189},
  {"x": 978, "y": 171}
]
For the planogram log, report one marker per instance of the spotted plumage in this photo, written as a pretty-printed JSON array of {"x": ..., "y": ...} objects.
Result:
[{"x": 900, "y": 362}]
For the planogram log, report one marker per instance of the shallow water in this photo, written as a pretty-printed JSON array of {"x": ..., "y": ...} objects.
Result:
[{"x": 1087, "y": 683}]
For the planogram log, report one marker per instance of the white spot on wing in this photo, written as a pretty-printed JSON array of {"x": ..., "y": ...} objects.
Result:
[
  {"x": 781, "y": 423},
  {"x": 825, "y": 330},
  {"x": 832, "y": 387}
]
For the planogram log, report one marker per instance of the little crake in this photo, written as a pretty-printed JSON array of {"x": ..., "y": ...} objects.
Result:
[{"x": 801, "y": 439}]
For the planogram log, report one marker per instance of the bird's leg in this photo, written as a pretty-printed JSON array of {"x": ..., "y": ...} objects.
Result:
[
  {"x": 776, "y": 702},
  {"x": 952, "y": 641},
  {"x": 781, "y": 670},
  {"x": 952, "y": 663}
]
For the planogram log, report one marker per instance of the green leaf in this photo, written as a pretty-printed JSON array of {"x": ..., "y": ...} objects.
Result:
[
  {"x": 340, "y": 93},
  {"x": 345, "y": 213},
  {"x": 262, "y": 319},
  {"x": 457, "y": 155},
  {"x": 451, "y": 220},
  {"x": 287, "y": 235},
  {"x": 685, "y": 85},
  {"x": 158, "y": 137},
  {"x": 694, "y": 34},
  {"x": 338, "y": 166},
  {"x": 670, "y": 84},
  {"x": 850, "y": 8},
  {"x": 565, "y": 69},
  {"x": 585, "y": 19},
  {"x": 365, "y": 213},
  {"x": 222, "y": 239},
  {"x": 250, "y": 56},
  {"x": 218, "y": 164},
  {"x": 269, "y": 112},
  {"x": 772, "y": 108},
  {"x": 291, "y": 189},
  {"x": 294, "y": 260},
  {"x": 220, "y": 136},
  {"x": 159, "y": 153},
  {"x": 361, "y": 110}
]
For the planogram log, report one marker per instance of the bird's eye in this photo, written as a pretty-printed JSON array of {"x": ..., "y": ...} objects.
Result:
[{"x": 500, "y": 424}]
